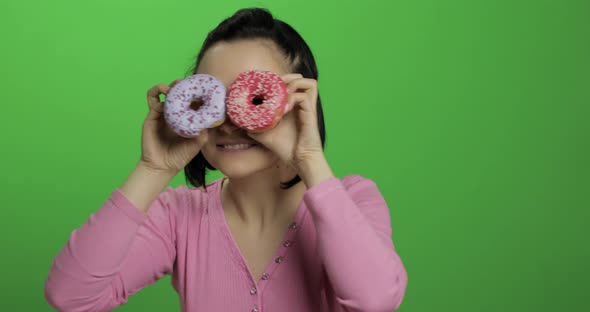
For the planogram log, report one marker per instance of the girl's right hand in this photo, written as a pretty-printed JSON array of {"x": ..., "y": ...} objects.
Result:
[{"x": 161, "y": 148}]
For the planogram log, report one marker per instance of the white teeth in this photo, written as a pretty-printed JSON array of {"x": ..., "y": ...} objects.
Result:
[{"x": 237, "y": 146}]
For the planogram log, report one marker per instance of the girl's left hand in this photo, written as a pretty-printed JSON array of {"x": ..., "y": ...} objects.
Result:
[{"x": 296, "y": 138}]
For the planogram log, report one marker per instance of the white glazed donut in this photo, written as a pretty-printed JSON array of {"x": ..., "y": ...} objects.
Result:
[{"x": 187, "y": 121}]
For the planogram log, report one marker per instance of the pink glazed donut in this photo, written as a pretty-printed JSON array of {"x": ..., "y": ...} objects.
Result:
[
  {"x": 195, "y": 103},
  {"x": 256, "y": 100}
]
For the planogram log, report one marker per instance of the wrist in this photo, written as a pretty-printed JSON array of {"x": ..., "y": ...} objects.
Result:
[
  {"x": 153, "y": 171},
  {"x": 315, "y": 170},
  {"x": 144, "y": 185}
]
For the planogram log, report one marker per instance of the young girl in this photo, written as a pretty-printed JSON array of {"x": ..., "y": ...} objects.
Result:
[{"x": 279, "y": 232}]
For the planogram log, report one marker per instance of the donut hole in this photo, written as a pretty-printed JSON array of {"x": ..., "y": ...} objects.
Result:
[
  {"x": 196, "y": 104},
  {"x": 257, "y": 100}
]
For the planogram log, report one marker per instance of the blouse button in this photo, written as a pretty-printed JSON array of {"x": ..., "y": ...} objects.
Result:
[
  {"x": 255, "y": 310},
  {"x": 293, "y": 225},
  {"x": 265, "y": 276},
  {"x": 253, "y": 291},
  {"x": 279, "y": 260},
  {"x": 288, "y": 243}
]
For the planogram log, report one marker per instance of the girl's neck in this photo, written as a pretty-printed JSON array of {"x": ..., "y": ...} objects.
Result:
[{"x": 259, "y": 201}]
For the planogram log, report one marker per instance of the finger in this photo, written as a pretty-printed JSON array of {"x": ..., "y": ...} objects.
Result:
[
  {"x": 153, "y": 97},
  {"x": 155, "y": 105},
  {"x": 290, "y": 77},
  {"x": 202, "y": 138},
  {"x": 296, "y": 99},
  {"x": 304, "y": 84},
  {"x": 260, "y": 137}
]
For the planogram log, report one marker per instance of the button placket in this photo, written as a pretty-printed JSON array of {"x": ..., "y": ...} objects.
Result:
[
  {"x": 287, "y": 243},
  {"x": 265, "y": 276},
  {"x": 253, "y": 292}
]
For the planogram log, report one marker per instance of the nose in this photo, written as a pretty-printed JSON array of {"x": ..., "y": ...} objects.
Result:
[{"x": 227, "y": 127}]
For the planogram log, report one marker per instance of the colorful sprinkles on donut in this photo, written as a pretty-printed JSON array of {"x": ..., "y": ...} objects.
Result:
[
  {"x": 256, "y": 100},
  {"x": 188, "y": 119}
]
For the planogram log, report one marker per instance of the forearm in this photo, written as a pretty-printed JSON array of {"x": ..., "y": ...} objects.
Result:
[
  {"x": 86, "y": 271},
  {"x": 354, "y": 242}
]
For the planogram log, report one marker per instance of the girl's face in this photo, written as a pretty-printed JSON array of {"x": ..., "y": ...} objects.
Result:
[{"x": 225, "y": 61}]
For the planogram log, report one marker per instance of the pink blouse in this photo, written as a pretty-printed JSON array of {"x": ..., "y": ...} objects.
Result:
[{"x": 337, "y": 255}]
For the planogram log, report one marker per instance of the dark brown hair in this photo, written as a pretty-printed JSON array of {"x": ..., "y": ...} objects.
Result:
[{"x": 258, "y": 23}]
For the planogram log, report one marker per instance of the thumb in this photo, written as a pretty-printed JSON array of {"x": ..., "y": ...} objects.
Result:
[
  {"x": 202, "y": 138},
  {"x": 265, "y": 138},
  {"x": 254, "y": 135}
]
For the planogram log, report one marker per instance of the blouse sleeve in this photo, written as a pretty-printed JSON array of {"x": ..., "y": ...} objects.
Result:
[
  {"x": 117, "y": 252},
  {"x": 362, "y": 268}
]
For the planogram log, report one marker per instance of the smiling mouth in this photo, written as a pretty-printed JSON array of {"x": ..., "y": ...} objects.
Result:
[{"x": 236, "y": 147}]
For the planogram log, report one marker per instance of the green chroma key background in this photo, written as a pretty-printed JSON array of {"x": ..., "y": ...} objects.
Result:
[{"x": 471, "y": 116}]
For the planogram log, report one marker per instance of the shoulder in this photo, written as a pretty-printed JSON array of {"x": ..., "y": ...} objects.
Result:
[
  {"x": 356, "y": 186},
  {"x": 362, "y": 189},
  {"x": 195, "y": 197},
  {"x": 182, "y": 200},
  {"x": 354, "y": 181},
  {"x": 350, "y": 183}
]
